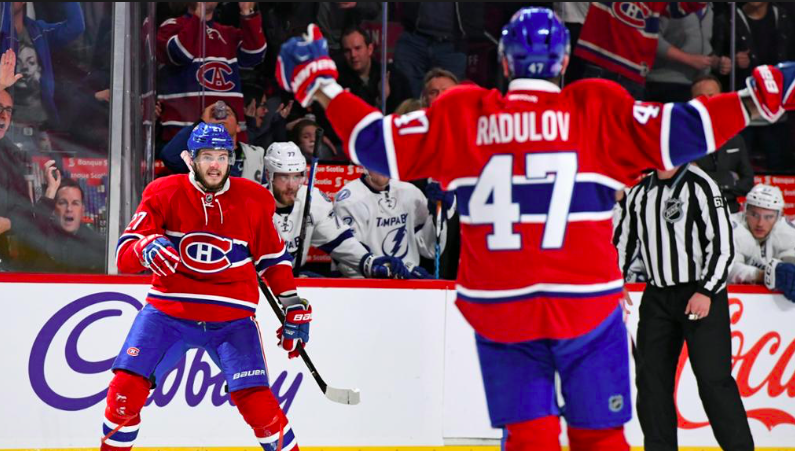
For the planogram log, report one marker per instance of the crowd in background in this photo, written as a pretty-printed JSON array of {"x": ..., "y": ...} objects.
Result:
[{"x": 217, "y": 61}]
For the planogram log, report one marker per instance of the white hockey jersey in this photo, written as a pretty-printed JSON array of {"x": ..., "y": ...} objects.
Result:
[
  {"x": 324, "y": 229},
  {"x": 751, "y": 256},
  {"x": 393, "y": 222},
  {"x": 251, "y": 162}
]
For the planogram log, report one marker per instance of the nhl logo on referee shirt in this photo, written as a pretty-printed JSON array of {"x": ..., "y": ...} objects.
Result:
[{"x": 672, "y": 211}]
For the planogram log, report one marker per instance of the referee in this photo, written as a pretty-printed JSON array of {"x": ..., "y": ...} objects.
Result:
[{"x": 679, "y": 221}]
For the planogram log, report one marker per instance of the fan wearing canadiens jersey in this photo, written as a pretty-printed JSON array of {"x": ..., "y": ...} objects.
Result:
[
  {"x": 207, "y": 237},
  {"x": 285, "y": 171},
  {"x": 535, "y": 173}
]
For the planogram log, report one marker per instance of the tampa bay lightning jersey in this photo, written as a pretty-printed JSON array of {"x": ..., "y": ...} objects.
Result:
[
  {"x": 392, "y": 222},
  {"x": 325, "y": 231}
]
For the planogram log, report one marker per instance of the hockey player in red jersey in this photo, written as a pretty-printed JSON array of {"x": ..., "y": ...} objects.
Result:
[
  {"x": 535, "y": 172},
  {"x": 206, "y": 237}
]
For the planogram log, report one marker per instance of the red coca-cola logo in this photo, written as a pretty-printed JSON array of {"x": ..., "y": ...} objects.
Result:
[{"x": 746, "y": 358}]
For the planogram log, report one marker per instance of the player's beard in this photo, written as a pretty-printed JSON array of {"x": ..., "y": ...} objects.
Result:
[
  {"x": 285, "y": 200},
  {"x": 211, "y": 189}
]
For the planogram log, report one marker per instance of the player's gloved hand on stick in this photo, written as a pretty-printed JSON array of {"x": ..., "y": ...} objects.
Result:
[
  {"x": 304, "y": 66},
  {"x": 771, "y": 89},
  {"x": 158, "y": 254},
  {"x": 295, "y": 328},
  {"x": 780, "y": 276},
  {"x": 384, "y": 267},
  {"x": 434, "y": 193},
  {"x": 418, "y": 272}
]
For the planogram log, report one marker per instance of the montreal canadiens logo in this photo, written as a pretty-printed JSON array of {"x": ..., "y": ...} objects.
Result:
[
  {"x": 133, "y": 351},
  {"x": 215, "y": 75},
  {"x": 205, "y": 253},
  {"x": 633, "y": 14}
]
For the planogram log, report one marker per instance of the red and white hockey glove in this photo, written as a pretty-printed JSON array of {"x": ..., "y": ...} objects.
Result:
[
  {"x": 295, "y": 328},
  {"x": 304, "y": 66},
  {"x": 155, "y": 252},
  {"x": 788, "y": 73},
  {"x": 766, "y": 86}
]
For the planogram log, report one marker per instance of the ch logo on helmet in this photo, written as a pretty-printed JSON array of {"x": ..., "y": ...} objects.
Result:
[
  {"x": 396, "y": 243},
  {"x": 215, "y": 75},
  {"x": 205, "y": 253},
  {"x": 633, "y": 14}
]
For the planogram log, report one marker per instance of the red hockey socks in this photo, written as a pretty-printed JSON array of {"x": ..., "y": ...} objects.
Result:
[
  {"x": 611, "y": 439},
  {"x": 127, "y": 394},
  {"x": 262, "y": 412},
  {"x": 540, "y": 434}
]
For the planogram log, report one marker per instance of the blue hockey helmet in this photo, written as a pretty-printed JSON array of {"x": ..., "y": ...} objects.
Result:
[
  {"x": 210, "y": 136},
  {"x": 534, "y": 43}
]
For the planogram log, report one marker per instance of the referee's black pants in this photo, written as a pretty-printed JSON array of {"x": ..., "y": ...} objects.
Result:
[{"x": 662, "y": 328}]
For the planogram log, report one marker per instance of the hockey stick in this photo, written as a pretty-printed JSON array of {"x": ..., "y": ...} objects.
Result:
[
  {"x": 437, "y": 260},
  {"x": 340, "y": 395},
  {"x": 299, "y": 255}
]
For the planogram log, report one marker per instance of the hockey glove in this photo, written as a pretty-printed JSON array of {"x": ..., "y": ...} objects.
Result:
[
  {"x": 788, "y": 72},
  {"x": 766, "y": 87},
  {"x": 434, "y": 193},
  {"x": 418, "y": 272},
  {"x": 156, "y": 253},
  {"x": 384, "y": 267},
  {"x": 780, "y": 276},
  {"x": 295, "y": 329},
  {"x": 304, "y": 66}
]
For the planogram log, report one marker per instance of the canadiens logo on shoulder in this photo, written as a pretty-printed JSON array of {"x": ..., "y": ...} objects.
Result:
[
  {"x": 633, "y": 14},
  {"x": 133, "y": 351},
  {"x": 205, "y": 253}
]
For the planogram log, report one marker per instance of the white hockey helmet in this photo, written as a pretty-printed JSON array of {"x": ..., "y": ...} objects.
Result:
[
  {"x": 765, "y": 196},
  {"x": 283, "y": 158}
]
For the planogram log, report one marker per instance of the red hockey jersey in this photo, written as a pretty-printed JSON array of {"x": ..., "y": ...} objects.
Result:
[
  {"x": 225, "y": 241},
  {"x": 194, "y": 67},
  {"x": 535, "y": 173},
  {"x": 622, "y": 36}
]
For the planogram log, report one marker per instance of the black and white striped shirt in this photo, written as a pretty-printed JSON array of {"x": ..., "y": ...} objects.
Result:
[{"x": 683, "y": 230}]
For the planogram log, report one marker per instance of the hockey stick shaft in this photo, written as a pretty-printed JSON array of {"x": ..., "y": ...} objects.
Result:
[
  {"x": 304, "y": 356},
  {"x": 438, "y": 259},
  {"x": 299, "y": 256}
]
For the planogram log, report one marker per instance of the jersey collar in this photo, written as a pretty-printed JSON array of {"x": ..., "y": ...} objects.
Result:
[
  {"x": 531, "y": 84},
  {"x": 196, "y": 185}
]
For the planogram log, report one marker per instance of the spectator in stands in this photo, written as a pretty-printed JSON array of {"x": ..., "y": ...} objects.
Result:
[
  {"x": 573, "y": 16},
  {"x": 334, "y": 18},
  {"x": 69, "y": 245},
  {"x": 764, "y": 240},
  {"x": 303, "y": 132},
  {"x": 730, "y": 166},
  {"x": 265, "y": 118},
  {"x": 391, "y": 218},
  {"x": 249, "y": 160},
  {"x": 619, "y": 40},
  {"x": 764, "y": 36},
  {"x": 361, "y": 74},
  {"x": 16, "y": 212},
  {"x": 33, "y": 41},
  {"x": 435, "y": 35},
  {"x": 436, "y": 81},
  {"x": 201, "y": 68},
  {"x": 684, "y": 52}
]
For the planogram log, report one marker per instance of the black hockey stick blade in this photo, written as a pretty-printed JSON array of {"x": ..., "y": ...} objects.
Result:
[{"x": 340, "y": 395}]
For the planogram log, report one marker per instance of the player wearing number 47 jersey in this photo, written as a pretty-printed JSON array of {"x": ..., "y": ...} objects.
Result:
[{"x": 535, "y": 172}]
